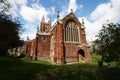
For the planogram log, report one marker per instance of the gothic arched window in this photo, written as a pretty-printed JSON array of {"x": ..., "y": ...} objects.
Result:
[
  {"x": 43, "y": 28},
  {"x": 71, "y": 32}
]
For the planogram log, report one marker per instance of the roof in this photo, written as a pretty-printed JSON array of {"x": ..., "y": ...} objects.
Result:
[{"x": 61, "y": 20}]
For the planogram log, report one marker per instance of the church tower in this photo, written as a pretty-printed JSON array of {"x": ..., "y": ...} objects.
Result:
[
  {"x": 45, "y": 26},
  {"x": 42, "y": 44}
]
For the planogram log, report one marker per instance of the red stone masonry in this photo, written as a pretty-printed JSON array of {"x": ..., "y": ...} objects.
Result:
[{"x": 49, "y": 43}]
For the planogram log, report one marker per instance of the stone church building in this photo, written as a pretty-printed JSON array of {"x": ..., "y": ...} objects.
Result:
[{"x": 63, "y": 42}]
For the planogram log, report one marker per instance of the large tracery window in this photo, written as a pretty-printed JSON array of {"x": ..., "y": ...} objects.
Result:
[{"x": 71, "y": 32}]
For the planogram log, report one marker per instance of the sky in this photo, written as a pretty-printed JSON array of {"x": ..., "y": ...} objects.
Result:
[{"x": 94, "y": 12}]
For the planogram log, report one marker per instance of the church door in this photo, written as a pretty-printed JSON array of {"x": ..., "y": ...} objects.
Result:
[{"x": 81, "y": 55}]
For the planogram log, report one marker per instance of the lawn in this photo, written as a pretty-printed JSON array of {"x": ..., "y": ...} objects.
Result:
[{"x": 12, "y": 68}]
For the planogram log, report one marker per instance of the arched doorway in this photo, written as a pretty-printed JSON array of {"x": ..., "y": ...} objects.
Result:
[
  {"x": 81, "y": 52},
  {"x": 81, "y": 55}
]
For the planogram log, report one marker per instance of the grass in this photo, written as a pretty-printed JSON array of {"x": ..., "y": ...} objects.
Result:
[
  {"x": 25, "y": 69},
  {"x": 95, "y": 58}
]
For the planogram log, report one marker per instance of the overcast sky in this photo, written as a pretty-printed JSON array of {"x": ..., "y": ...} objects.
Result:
[{"x": 95, "y": 13}]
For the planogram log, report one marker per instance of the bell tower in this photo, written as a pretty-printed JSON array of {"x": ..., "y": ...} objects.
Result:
[
  {"x": 42, "y": 41},
  {"x": 45, "y": 26}
]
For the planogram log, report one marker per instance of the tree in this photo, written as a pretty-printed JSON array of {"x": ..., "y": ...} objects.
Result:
[
  {"x": 5, "y": 7},
  {"x": 108, "y": 42},
  {"x": 9, "y": 28}
]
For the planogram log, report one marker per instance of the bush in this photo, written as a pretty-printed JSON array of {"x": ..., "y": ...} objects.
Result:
[{"x": 19, "y": 54}]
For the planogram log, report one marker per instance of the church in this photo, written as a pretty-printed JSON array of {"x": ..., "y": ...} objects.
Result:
[{"x": 63, "y": 42}]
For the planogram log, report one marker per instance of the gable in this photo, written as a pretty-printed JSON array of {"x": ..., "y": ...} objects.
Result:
[{"x": 70, "y": 17}]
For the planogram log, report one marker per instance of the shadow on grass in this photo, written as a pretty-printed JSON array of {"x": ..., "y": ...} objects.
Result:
[{"x": 25, "y": 69}]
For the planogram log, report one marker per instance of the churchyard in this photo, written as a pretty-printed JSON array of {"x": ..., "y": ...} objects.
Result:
[{"x": 12, "y": 68}]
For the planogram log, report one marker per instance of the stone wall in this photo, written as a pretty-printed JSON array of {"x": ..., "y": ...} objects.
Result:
[{"x": 43, "y": 46}]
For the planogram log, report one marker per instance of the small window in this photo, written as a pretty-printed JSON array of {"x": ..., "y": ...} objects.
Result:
[{"x": 43, "y": 28}]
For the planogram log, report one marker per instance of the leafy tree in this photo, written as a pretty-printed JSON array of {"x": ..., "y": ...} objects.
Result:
[
  {"x": 9, "y": 28},
  {"x": 108, "y": 42}
]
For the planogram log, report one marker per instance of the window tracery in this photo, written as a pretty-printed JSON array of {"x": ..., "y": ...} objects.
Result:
[{"x": 71, "y": 32}]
